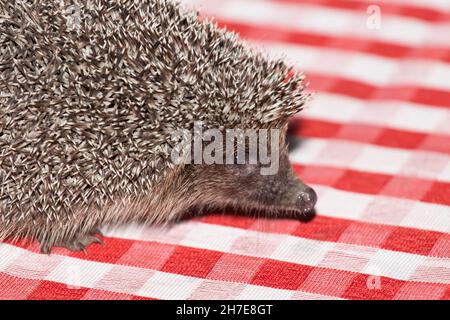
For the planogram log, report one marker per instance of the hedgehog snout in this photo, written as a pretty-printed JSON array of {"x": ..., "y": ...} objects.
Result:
[{"x": 306, "y": 200}]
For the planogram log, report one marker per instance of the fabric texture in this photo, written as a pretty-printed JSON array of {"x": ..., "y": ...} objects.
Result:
[{"x": 374, "y": 143}]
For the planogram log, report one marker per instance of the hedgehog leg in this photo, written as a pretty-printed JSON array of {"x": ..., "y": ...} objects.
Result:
[
  {"x": 78, "y": 243},
  {"x": 81, "y": 242}
]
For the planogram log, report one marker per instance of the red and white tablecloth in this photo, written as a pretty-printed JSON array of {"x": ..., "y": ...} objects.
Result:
[{"x": 375, "y": 144}]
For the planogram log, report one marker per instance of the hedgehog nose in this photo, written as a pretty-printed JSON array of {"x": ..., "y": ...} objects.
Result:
[{"x": 307, "y": 199}]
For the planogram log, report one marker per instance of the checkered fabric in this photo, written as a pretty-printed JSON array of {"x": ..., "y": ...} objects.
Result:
[{"x": 375, "y": 145}]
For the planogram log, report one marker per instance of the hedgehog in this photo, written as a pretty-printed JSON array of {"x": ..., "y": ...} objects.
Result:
[{"x": 91, "y": 93}]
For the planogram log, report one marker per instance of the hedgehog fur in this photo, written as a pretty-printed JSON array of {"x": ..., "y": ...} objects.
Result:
[{"x": 90, "y": 93}]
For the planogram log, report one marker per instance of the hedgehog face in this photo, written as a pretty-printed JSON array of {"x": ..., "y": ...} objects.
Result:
[
  {"x": 281, "y": 193},
  {"x": 244, "y": 188}
]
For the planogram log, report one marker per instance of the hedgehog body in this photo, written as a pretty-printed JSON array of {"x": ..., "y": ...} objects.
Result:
[{"x": 91, "y": 92}]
